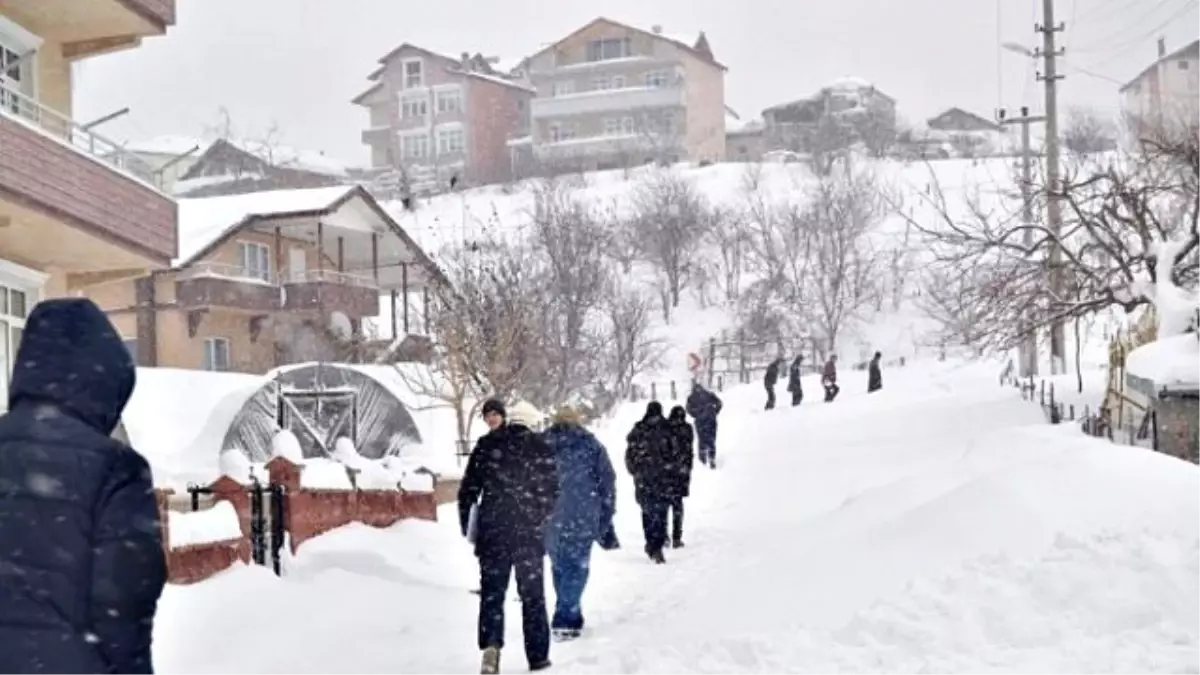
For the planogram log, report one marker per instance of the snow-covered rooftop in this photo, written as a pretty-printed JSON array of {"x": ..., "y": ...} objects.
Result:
[
  {"x": 279, "y": 155},
  {"x": 1171, "y": 363},
  {"x": 203, "y": 221}
]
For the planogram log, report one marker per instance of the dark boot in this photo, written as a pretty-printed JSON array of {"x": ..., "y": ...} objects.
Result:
[
  {"x": 540, "y": 665},
  {"x": 490, "y": 664},
  {"x": 657, "y": 557}
]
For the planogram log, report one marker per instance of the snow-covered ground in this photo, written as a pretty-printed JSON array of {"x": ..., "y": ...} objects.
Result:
[{"x": 939, "y": 525}]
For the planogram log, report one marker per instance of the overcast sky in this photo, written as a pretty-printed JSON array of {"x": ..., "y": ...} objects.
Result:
[{"x": 297, "y": 63}]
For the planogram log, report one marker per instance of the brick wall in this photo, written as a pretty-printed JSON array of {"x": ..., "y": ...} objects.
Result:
[{"x": 1178, "y": 421}]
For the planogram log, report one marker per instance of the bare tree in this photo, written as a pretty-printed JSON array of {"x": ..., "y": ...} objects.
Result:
[
  {"x": 1117, "y": 211},
  {"x": 668, "y": 229},
  {"x": 574, "y": 242},
  {"x": 629, "y": 346},
  {"x": 1087, "y": 131},
  {"x": 842, "y": 214}
]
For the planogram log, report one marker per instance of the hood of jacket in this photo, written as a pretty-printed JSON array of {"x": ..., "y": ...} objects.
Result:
[{"x": 71, "y": 357}]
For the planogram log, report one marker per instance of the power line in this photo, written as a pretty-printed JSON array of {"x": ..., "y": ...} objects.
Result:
[{"x": 1123, "y": 46}]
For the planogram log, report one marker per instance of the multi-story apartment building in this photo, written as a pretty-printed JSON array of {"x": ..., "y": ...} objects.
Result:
[
  {"x": 855, "y": 108},
  {"x": 75, "y": 211},
  {"x": 1165, "y": 97},
  {"x": 441, "y": 118},
  {"x": 610, "y": 94}
]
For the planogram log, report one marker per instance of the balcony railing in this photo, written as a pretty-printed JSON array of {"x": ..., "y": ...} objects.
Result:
[
  {"x": 221, "y": 271},
  {"x": 53, "y": 123},
  {"x": 608, "y": 100},
  {"x": 329, "y": 277}
]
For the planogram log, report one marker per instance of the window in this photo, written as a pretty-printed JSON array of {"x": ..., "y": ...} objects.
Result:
[
  {"x": 562, "y": 88},
  {"x": 415, "y": 146},
  {"x": 414, "y": 106},
  {"x": 613, "y": 48},
  {"x": 255, "y": 259},
  {"x": 450, "y": 141},
  {"x": 449, "y": 101},
  {"x": 600, "y": 84},
  {"x": 658, "y": 78},
  {"x": 12, "y": 78},
  {"x": 561, "y": 132},
  {"x": 627, "y": 125},
  {"x": 618, "y": 82},
  {"x": 1183, "y": 65},
  {"x": 414, "y": 74},
  {"x": 612, "y": 126},
  {"x": 216, "y": 354}
]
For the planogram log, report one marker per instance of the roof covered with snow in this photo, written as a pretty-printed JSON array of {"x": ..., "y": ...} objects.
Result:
[
  {"x": 279, "y": 155},
  {"x": 204, "y": 221},
  {"x": 1171, "y": 364}
]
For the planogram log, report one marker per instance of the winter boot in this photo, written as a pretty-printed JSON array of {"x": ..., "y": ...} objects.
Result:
[
  {"x": 491, "y": 661},
  {"x": 678, "y": 543},
  {"x": 566, "y": 634},
  {"x": 540, "y": 665},
  {"x": 657, "y": 557}
]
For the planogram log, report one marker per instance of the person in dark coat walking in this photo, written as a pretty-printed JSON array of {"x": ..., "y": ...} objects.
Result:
[
  {"x": 794, "y": 385},
  {"x": 582, "y": 516},
  {"x": 650, "y": 458},
  {"x": 874, "y": 374},
  {"x": 704, "y": 406},
  {"x": 685, "y": 439},
  {"x": 829, "y": 379},
  {"x": 81, "y": 551},
  {"x": 769, "y": 380},
  {"x": 511, "y": 482}
]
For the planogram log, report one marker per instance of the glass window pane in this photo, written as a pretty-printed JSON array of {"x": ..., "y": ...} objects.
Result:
[
  {"x": 3, "y": 300},
  {"x": 17, "y": 304}
]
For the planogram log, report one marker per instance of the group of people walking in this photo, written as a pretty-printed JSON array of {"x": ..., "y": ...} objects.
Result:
[
  {"x": 526, "y": 495},
  {"x": 829, "y": 378}
]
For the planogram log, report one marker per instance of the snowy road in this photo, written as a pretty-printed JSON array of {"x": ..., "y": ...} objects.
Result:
[{"x": 939, "y": 525}]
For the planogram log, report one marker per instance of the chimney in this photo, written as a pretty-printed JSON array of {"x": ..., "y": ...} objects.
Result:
[
  {"x": 466, "y": 61},
  {"x": 1162, "y": 47},
  {"x": 656, "y": 29}
]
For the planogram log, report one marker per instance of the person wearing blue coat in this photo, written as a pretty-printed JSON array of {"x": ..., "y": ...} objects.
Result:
[
  {"x": 582, "y": 515},
  {"x": 81, "y": 552}
]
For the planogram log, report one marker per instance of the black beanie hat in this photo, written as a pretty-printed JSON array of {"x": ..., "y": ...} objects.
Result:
[{"x": 493, "y": 405}]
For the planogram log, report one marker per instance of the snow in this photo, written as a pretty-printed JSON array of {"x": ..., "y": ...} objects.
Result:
[
  {"x": 1171, "y": 363},
  {"x": 286, "y": 445},
  {"x": 203, "y": 221},
  {"x": 279, "y": 155},
  {"x": 849, "y": 83},
  {"x": 218, "y": 523},
  {"x": 324, "y": 474},
  {"x": 372, "y": 475},
  {"x": 167, "y": 145},
  {"x": 939, "y": 525}
]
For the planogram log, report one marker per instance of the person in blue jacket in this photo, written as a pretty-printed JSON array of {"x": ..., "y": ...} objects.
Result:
[
  {"x": 704, "y": 406},
  {"x": 81, "y": 552},
  {"x": 582, "y": 515}
]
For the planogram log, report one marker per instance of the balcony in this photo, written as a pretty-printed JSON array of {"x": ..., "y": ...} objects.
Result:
[
  {"x": 85, "y": 25},
  {"x": 210, "y": 285},
  {"x": 608, "y": 100},
  {"x": 51, "y": 164},
  {"x": 326, "y": 291}
]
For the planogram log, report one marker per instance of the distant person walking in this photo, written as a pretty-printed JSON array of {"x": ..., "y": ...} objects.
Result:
[
  {"x": 874, "y": 374},
  {"x": 794, "y": 385},
  {"x": 704, "y": 406},
  {"x": 512, "y": 482},
  {"x": 829, "y": 379},
  {"x": 650, "y": 457},
  {"x": 685, "y": 439},
  {"x": 582, "y": 516},
  {"x": 81, "y": 551},
  {"x": 769, "y": 380}
]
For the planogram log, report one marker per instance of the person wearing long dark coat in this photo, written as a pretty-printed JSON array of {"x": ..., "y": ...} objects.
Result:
[
  {"x": 685, "y": 440},
  {"x": 704, "y": 406},
  {"x": 769, "y": 379},
  {"x": 82, "y": 564},
  {"x": 511, "y": 482},
  {"x": 829, "y": 379},
  {"x": 794, "y": 386},
  {"x": 650, "y": 456},
  {"x": 874, "y": 374}
]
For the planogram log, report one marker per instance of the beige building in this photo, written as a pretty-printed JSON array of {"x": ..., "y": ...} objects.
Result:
[
  {"x": 271, "y": 278},
  {"x": 75, "y": 210},
  {"x": 1165, "y": 96},
  {"x": 610, "y": 94}
]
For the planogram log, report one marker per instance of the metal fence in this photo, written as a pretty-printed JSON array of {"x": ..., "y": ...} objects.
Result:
[
  {"x": 1093, "y": 422},
  {"x": 268, "y": 527}
]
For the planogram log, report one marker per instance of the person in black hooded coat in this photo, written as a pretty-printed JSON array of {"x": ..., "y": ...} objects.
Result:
[
  {"x": 650, "y": 457},
  {"x": 795, "y": 386},
  {"x": 511, "y": 482},
  {"x": 685, "y": 440},
  {"x": 81, "y": 553}
]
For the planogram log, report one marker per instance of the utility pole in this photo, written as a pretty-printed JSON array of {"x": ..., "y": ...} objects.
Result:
[
  {"x": 1028, "y": 349},
  {"x": 1050, "y": 53}
]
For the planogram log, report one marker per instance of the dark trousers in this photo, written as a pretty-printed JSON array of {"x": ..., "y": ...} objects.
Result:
[
  {"x": 494, "y": 573},
  {"x": 797, "y": 397},
  {"x": 570, "y": 563},
  {"x": 676, "y": 510},
  {"x": 770, "y": 396},
  {"x": 654, "y": 523},
  {"x": 831, "y": 391},
  {"x": 707, "y": 437}
]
